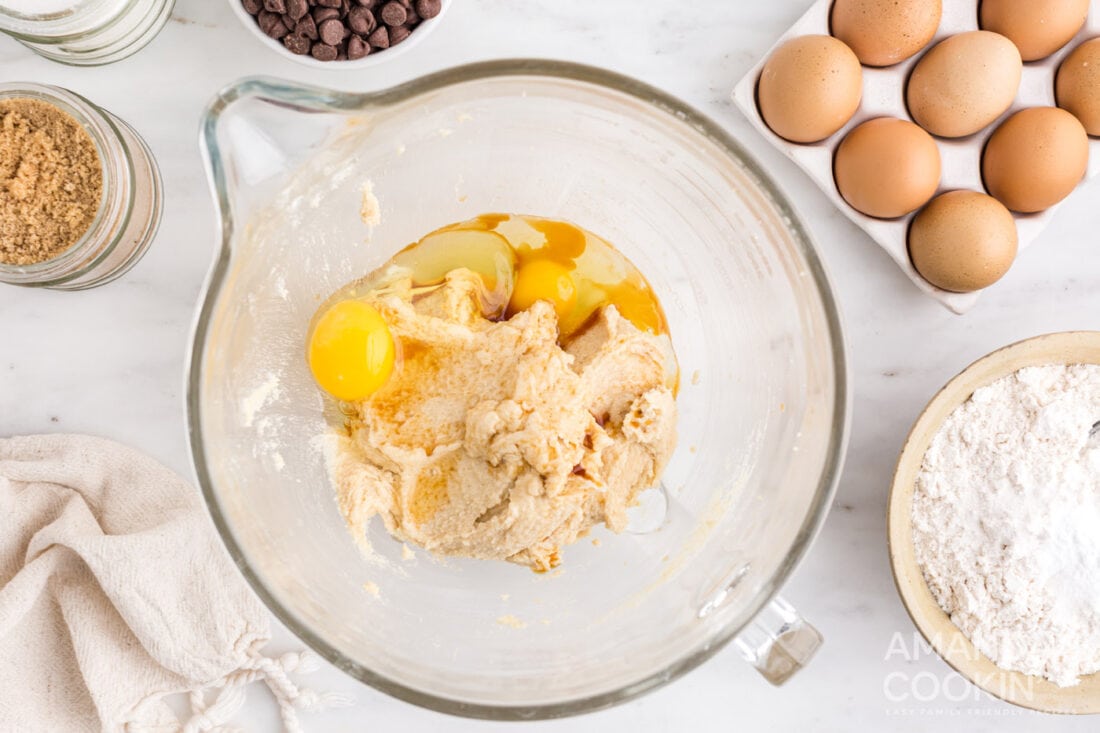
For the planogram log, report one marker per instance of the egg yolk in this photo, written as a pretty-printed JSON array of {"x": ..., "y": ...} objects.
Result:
[
  {"x": 351, "y": 351},
  {"x": 544, "y": 280},
  {"x": 636, "y": 304}
]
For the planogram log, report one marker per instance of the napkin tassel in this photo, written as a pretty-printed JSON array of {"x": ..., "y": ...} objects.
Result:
[{"x": 213, "y": 716}]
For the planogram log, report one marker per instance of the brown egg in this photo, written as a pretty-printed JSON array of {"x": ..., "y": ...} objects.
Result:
[
  {"x": 1037, "y": 27},
  {"x": 1035, "y": 158},
  {"x": 885, "y": 33},
  {"x": 963, "y": 241},
  {"x": 964, "y": 83},
  {"x": 1078, "y": 85},
  {"x": 887, "y": 167},
  {"x": 809, "y": 87}
]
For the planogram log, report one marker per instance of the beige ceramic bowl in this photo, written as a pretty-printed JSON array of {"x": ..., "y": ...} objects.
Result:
[{"x": 1036, "y": 693}]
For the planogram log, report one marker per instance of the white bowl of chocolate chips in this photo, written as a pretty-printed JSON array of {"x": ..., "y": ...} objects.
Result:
[{"x": 340, "y": 34}]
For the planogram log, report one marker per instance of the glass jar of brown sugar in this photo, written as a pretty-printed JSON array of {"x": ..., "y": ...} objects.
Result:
[{"x": 80, "y": 192}]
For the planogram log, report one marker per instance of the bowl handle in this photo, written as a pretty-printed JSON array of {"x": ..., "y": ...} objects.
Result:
[{"x": 778, "y": 642}]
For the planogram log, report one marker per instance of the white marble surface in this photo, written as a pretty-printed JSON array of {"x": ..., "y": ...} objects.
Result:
[{"x": 111, "y": 361}]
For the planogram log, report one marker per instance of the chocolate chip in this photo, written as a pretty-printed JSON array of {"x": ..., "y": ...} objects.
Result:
[
  {"x": 307, "y": 28},
  {"x": 297, "y": 44},
  {"x": 266, "y": 20},
  {"x": 275, "y": 6},
  {"x": 252, "y": 6},
  {"x": 368, "y": 4},
  {"x": 296, "y": 9},
  {"x": 428, "y": 9},
  {"x": 398, "y": 34},
  {"x": 271, "y": 24},
  {"x": 411, "y": 19},
  {"x": 324, "y": 52},
  {"x": 361, "y": 20},
  {"x": 393, "y": 13},
  {"x": 379, "y": 39},
  {"x": 320, "y": 15},
  {"x": 357, "y": 48},
  {"x": 334, "y": 4},
  {"x": 331, "y": 31}
]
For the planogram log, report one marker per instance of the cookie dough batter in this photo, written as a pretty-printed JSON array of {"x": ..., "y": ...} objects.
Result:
[{"x": 492, "y": 441}]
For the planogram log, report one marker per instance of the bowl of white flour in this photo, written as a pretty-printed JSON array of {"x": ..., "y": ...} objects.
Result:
[{"x": 994, "y": 523}]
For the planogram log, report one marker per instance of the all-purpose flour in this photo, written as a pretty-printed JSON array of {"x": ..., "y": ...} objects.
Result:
[{"x": 1006, "y": 521}]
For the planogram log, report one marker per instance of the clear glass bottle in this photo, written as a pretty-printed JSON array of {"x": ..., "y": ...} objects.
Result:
[
  {"x": 84, "y": 32},
  {"x": 129, "y": 211}
]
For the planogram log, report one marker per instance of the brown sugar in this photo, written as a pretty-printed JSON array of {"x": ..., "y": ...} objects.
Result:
[{"x": 51, "y": 181}]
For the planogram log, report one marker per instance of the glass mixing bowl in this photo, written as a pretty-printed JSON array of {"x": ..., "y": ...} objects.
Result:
[{"x": 763, "y": 403}]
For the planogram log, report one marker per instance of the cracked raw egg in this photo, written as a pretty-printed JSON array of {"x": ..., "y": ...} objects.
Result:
[
  {"x": 351, "y": 351},
  {"x": 544, "y": 280}
]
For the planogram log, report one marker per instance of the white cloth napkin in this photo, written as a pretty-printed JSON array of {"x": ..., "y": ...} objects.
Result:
[{"x": 115, "y": 591}]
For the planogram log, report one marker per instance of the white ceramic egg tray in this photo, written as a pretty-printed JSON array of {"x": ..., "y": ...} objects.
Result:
[{"x": 884, "y": 96}]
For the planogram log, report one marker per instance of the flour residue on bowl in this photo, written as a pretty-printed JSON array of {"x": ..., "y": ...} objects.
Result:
[
  {"x": 370, "y": 211},
  {"x": 511, "y": 622},
  {"x": 255, "y": 400}
]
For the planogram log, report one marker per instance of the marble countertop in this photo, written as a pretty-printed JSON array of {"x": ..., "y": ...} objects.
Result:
[{"x": 110, "y": 361}]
